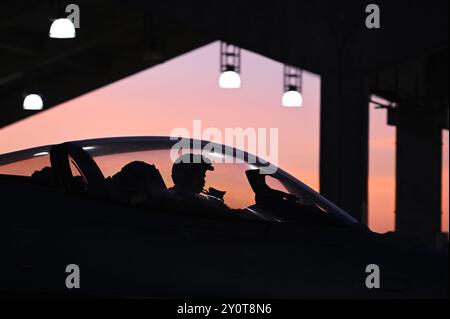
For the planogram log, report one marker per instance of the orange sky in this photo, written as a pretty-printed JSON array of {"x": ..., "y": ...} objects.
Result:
[{"x": 175, "y": 93}]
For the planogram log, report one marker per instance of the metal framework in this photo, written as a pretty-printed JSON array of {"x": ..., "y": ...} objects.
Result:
[
  {"x": 230, "y": 57},
  {"x": 292, "y": 79}
]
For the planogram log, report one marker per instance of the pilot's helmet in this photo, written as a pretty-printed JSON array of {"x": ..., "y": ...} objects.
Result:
[
  {"x": 187, "y": 165},
  {"x": 138, "y": 176}
]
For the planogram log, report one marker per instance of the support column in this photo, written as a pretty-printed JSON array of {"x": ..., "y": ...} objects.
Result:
[
  {"x": 419, "y": 155},
  {"x": 344, "y": 128},
  {"x": 418, "y": 173}
]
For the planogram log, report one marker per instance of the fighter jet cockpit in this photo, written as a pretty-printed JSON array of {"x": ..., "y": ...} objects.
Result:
[{"x": 149, "y": 173}]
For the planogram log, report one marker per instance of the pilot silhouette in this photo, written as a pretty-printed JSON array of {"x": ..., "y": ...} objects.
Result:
[
  {"x": 189, "y": 173},
  {"x": 136, "y": 179}
]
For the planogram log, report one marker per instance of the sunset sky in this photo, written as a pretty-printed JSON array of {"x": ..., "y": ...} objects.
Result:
[{"x": 175, "y": 93}]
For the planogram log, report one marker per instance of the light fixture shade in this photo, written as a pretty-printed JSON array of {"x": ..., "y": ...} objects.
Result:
[
  {"x": 33, "y": 102},
  {"x": 62, "y": 29},
  {"x": 230, "y": 80},
  {"x": 292, "y": 99}
]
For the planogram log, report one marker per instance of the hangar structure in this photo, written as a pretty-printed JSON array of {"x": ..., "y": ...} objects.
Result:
[{"x": 405, "y": 61}]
